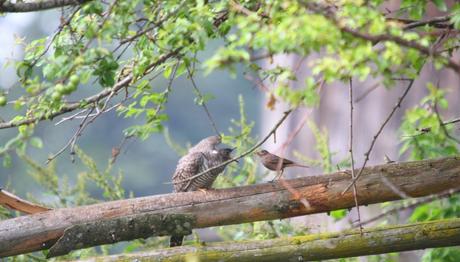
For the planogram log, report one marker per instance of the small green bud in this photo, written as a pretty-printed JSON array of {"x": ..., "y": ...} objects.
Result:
[{"x": 3, "y": 100}]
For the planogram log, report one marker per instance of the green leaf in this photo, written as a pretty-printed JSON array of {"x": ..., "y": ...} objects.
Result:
[
  {"x": 339, "y": 214},
  {"x": 7, "y": 162},
  {"x": 440, "y": 4},
  {"x": 36, "y": 142}
]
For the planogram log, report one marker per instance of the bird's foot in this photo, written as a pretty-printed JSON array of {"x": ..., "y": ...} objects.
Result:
[
  {"x": 204, "y": 190},
  {"x": 277, "y": 177}
]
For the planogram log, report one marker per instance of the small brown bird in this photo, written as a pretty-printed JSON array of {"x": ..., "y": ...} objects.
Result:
[
  {"x": 194, "y": 163},
  {"x": 275, "y": 163}
]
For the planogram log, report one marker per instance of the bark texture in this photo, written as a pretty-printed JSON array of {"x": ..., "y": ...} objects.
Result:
[
  {"x": 120, "y": 229},
  {"x": 312, "y": 247}
]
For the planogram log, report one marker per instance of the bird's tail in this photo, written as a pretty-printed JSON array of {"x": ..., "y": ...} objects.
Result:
[
  {"x": 175, "y": 241},
  {"x": 299, "y": 165}
]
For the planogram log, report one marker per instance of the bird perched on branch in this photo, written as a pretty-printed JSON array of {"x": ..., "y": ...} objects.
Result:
[
  {"x": 276, "y": 163},
  {"x": 197, "y": 162},
  {"x": 200, "y": 158}
]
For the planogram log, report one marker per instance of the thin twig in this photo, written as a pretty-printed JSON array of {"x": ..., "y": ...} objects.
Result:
[
  {"x": 58, "y": 31},
  {"x": 80, "y": 131},
  {"x": 116, "y": 150},
  {"x": 72, "y": 142},
  {"x": 367, "y": 154},
  {"x": 249, "y": 151},
  {"x": 367, "y": 92},
  {"x": 453, "y": 121},
  {"x": 72, "y": 138},
  {"x": 257, "y": 81},
  {"x": 444, "y": 194},
  {"x": 355, "y": 190},
  {"x": 203, "y": 104},
  {"x": 72, "y": 117},
  {"x": 394, "y": 188},
  {"x": 442, "y": 125},
  {"x": 78, "y": 116},
  {"x": 297, "y": 195},
  {"x": 168, "y": 88},
  {"x": 435, "y": 21}
]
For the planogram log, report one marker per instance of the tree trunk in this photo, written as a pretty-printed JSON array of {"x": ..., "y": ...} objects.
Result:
[
  {"x": 242, "y": 204},
  {"x": 347, "y": 243}
]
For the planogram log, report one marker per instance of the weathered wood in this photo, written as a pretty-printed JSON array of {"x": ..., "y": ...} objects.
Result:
[
  {"x": 238, "y": 205},
  {"x": 311, "y": 247},
  {"x": 11, "y": 201},
  {"x": 118, "y": 229}
]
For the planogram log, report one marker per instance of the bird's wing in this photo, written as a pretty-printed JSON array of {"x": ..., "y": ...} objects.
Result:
[
  {"x": 275, "y": 160},
  {"x": 206, "y": 144},
  {"x": 188, "y": 166}
]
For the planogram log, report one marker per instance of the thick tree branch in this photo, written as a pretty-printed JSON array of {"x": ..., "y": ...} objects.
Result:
[
  {"x": 238, "y": 205},
  {"x": 316, "y": 247},
  {"x": 114, "y": 230},
  {"x": 403, "y": 42},
  {"x": 38, "y": 5}
]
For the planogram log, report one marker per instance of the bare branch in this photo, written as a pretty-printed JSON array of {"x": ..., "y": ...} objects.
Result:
[
  {"x": 72, "y": 140},
  {"x": 452, "y": 121},
  {"x": 89, "y": 100},
  {"x": 444, "y": 194},
  {"x": 443, "y": 125},
  {"x": 355, "y": 191},
  {"x": 393, "y": 187},
  {"x": 367, "y": 154},
  {"x": 203, "y": 104},
  {"x": 367, "y": 92},
  {"x": 428, "y": 51},
  {"x": 439, "y": 22}
]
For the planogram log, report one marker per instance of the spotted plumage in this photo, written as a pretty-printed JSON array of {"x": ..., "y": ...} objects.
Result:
[
  {"x": 196, "y": 162},
  {"x": 206, "y": 144}
]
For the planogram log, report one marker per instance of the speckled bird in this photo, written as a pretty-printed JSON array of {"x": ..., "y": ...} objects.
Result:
[{"x": 195, "y": 163}]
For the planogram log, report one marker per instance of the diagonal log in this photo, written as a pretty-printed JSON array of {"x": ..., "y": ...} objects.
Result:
[
  {"x": 315, "y": 247},
  {"x": 242, "y": 204}
]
